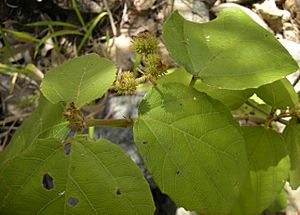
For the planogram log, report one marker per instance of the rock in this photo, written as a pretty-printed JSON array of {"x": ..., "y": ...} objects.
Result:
[
  {"x": 294, "y": 7},
  {"x": 87, "y": 6},
  {"x": 121, "y": 52},
  {"x": 182, "y": 211},
  {"x": 141, "y": 5},
  {"x": 191, "y": 10},
  {"x": 293, "y": 197},
  {"x": 242, "y": 1},
  {"x": 291, "y": 32},
  {"x": 253, "y": 15},
  {"x": 293, "y": 48},
  {"x": 272, "y": 14}
]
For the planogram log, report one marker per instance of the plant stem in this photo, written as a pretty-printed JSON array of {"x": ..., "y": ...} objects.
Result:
[
  {"x": 296, "y": 81},
  {"x": 123, "y": 123},
  {"x": 193, "y": 81},
  {"x": 257, "y": 108},
  {"x": 75, "y": 6},
  {"x": 141, "y": 79},
  {"x": 111, "y": 18},
  {"x": 250, "y": 118}
]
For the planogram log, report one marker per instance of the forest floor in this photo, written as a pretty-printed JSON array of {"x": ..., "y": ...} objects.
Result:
[{"x": 28, "y": 52}]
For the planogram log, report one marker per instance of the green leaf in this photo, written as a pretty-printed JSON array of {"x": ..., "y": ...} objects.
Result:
[
  {"x": 279, "y": 203},
  {"x": 176, "y": 76},
  {"x": 292, "y": 138},
  {"x": 11, "y": 69},
  {"x": 233, "y": 99},
  {"x": 45, "y": 122},
  {"x": 89, "y": 31},
  {"x": 192, "y": 147},
  {"x": 279, "y": 94},
  {"x": 94, "y": 178},
  {"x": 230, "y": 52},
  {"x": 80, "y": 80},
  {"x": 268, "y": 170},
  {"x": 55, "y": 34},
  {"x": 22, "y": 35},
  {"x": 52, "y": 23}
]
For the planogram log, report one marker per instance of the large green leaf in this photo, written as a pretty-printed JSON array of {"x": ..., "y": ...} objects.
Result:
[
  {"x": 179, "y": 75},
  {"x": 192, "y": 147},
  {"x": 233, "y": 99},
  {"x": 292, "y": 138},
  {"x": 268, "y": 170},
  {"x": 230, "y": 52},
  {"x": 45, "y": 122},
  {"x": 94, "y": 178},
  {"x": 279, "y": 94},
  {"x": 80, "y": 80}
]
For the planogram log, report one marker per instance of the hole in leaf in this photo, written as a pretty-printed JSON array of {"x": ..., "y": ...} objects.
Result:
[
  {"x": 180, "y": 104},
  {"x": 145, "y": 142},
  {"x": 118, "y": 192},
  {"x": 177, "y": 172},
  {"x": 72, "y": 201},
  {"x": 67, "y": 148},
  {"x": 48, "y": 181}
]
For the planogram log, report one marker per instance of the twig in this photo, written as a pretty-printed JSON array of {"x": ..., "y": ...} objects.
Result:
[
  {"x": 111, "y": 19},
  {"x": 250, "y": 118},
  {"x": 13, "y": 118},
  {"x": 172, "y": 5},
  {"x": 296, "y": 81}
]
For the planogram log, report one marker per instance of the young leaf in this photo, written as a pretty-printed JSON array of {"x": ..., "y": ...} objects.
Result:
[
  {"x": 85, "y": 178},
  {"x": 80, "y": 80},
  {"x": 192, "y": 147},
  {"x": 292, "y": 138},
  {"x": 45, "y": 122},
  {"x": 268, "y": 170},
  {"x": 230, "y": 52},
  {"x": 279, "y": 94}
]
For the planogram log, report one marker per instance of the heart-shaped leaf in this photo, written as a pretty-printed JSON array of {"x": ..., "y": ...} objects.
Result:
[
  {"x": 268, "y": 170},
  {"x": 292, "y": 137},
  {"x": 45, "y": 122},
  {"x": 80, "y": 80},
  {"x": 233, "y": 99},
  {"x": 180, "y": 134},
  {"x": 81, "y": 177},
  {"x": 279, "y": 94},
  {"x": 230, "y": 52}
]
